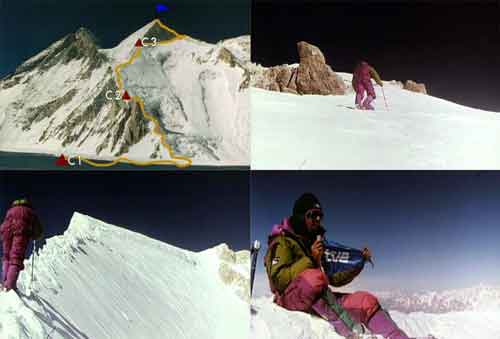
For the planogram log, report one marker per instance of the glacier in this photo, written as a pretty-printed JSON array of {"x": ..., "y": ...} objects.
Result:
[{"x": 56, "y": 102}]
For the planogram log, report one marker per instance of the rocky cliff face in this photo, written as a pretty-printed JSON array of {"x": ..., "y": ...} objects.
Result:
[
  {"x": 311, "y": 76},
  {"x": 66, "y": 99},
  {"x": 233, "y": 270},
  {"x": 59, "y": 96},
  {"x": 76, "y": 46}
]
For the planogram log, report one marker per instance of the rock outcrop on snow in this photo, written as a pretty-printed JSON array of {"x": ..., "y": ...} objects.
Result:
[
  {"x": 312, "y": 75},
  {"x": 231, "y": 272},
  {"x": 413, "y": 86}
]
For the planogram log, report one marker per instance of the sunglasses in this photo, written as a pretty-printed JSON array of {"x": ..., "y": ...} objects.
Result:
[{"x": 314, "y": 214}]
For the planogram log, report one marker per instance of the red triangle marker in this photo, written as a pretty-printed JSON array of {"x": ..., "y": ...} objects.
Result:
[
  {"x": 126, "y": 96},
  {"x": 61, "y": 161},
  {"x": 138, "y": 43}
]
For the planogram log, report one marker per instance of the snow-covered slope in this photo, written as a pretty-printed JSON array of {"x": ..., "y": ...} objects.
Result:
[
  {"x": 197, "y": 90},
  {"x": 479, "y": 321},
  {"x": 453, "y": 325},
  {"x": 417, "y": 132},
  {"x": 270, "y": 321},
  {"x": 102, "y": 281},
  {"x": 56, "y": 102}
]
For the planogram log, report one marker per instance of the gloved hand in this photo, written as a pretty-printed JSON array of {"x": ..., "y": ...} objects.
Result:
[
  {"x": 317, "y": 250},
  {"x": 367, "y": 254}
]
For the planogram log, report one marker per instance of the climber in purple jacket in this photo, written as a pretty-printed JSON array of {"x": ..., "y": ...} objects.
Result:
[
  {"x": 362, "y": 83},
  {"x": 20, "y": 225}
]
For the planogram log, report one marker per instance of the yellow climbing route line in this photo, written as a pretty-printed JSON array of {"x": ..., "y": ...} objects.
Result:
[
  {"x": 179, "y": 161},
  {"x": 118, "y": 68}
]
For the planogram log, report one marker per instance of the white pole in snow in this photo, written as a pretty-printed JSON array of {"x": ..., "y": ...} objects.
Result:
[
  {"x": 33, "y": 262},
  {"x": 254, "y": 252},
  {"x": 385, "y": 100}
]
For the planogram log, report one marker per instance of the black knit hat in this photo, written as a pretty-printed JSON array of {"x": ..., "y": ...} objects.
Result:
[{"x": 304, "y": 203}]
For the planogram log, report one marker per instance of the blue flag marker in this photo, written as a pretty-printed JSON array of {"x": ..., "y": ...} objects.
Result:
[{"x": 161, "y": 8}]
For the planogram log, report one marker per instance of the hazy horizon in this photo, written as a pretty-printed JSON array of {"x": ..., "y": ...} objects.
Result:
[{"x": 425, "y": 229}]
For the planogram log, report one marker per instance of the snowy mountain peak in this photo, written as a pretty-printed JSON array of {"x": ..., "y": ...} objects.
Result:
[
  {"x": 84, "y": 227},
  {"x": 126, "y": 285},
  {"x": 125, "y": 48},
  {"x": 86, "y": 36},
  {"x": 195, "y": 91},
  {"x": 74, "y": 46},
  {"x": 229, "y": 266},
  {"x": 80, "y": 221},
  {"x": 160, "y": 32}
]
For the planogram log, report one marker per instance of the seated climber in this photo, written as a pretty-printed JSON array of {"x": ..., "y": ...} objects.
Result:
[{"x": 296, "y": 277}]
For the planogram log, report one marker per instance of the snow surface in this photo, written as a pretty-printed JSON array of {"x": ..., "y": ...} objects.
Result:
[
  {"x": 215, "y": 98},
  {"x": 270, "y": 321},
  {"x": 62, "y": 78},
  {"x": 102, "y": 281},
  {"x": 417, "y": 132},
  {"x": 198, "y": 95},
  {"x": 124, "y": 50}
]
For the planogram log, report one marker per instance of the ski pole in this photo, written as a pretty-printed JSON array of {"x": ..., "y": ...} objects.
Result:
[
  {"x": 385, "y": 100},
  {"x": 33, "y": 262},
  {"x": 254, "y": 253},
  {"x": 336, "y": 307}
]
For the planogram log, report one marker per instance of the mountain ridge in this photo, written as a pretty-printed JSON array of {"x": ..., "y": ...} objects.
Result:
[
  {"x": 75, "y": 114},
  {"x": 477, "y": 298},
  {"x": 124, "y": 285}
]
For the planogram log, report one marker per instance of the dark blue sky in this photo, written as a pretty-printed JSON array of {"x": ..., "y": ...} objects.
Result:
[
  {"x": 192, "y": 210},
  {"x": 27, "y": 27},
  {"x": 427, "y": 230}
]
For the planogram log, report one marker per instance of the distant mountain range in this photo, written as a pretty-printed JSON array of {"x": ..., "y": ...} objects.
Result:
[{"x": 480, "y": 298}]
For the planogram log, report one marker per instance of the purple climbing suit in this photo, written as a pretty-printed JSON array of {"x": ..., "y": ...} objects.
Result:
[
  {"x": 16, "y": 233},
  {"x": 362, "y": 83},
  {"x": 305, "y": 294}
]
